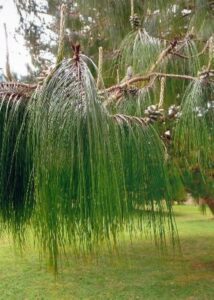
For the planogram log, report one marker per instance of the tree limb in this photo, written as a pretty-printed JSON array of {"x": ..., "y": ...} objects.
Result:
[{"x": 145, "y": 78}]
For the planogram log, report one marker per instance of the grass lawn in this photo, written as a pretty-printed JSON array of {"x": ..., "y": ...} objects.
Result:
[{"x": 139, "y": 272}]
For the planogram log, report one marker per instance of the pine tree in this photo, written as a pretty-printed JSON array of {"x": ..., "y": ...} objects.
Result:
[{"x": 85, "y": 155}]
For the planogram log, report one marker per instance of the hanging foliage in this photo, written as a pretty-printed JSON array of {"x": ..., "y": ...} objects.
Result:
[
  {"x": 92, "y": 173},
  {"x": 194, "y": 132},
  {"x": 139, "y": 50},
  {"x": 15, "y": 164}
]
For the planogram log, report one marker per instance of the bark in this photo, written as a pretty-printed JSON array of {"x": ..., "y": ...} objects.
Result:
[{"x": 210, "y": 203}]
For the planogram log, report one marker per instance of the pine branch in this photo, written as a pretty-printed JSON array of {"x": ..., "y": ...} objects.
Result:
[
  {"x": 163, "y": 54},
  {"x": 159, "y": 115},
  {"x": 205, "y": 48},
  {"x": 13, "y": 90},
  {"x": 11, "y": 86},
  {"x": 125, "y": 119},
  {"x": 145, "y": 78}
]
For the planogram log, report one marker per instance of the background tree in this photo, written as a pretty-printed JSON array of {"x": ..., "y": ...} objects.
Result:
[{"x": 106, "y": 26}]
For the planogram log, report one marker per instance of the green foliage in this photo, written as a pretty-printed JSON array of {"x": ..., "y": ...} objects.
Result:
[
  {"x": 139, "y": 50},
  {"x": 202, "y": 21},
  {"x": 199, "y": 185},
  {"x": 92, "y": 175},
  {"x": 193, "y": 135},
  {"x": 136, "y": 104},
  {"x": 15, "y": 166}
]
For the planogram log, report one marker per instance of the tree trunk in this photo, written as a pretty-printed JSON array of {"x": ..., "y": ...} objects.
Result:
[{"x": 210, "y": 203}]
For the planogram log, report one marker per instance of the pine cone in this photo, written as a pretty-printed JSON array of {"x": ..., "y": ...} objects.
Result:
[
  {"x": 173, "y": 112},
  {"x": 167, "y": 136},
  {"x": 153, "y": 113},
  {"x": 135, "y": 21}
]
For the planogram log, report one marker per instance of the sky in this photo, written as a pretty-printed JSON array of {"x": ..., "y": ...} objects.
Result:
[{"x": 19, "y": 55}]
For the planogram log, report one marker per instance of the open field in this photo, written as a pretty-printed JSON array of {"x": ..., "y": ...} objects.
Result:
[{"x": 139, "y": 272}]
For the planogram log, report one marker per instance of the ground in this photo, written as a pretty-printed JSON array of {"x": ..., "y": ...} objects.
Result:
[{"x": 137, "y": 272}]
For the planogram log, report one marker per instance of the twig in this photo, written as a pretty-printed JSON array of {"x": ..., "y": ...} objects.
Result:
[
  {"x": 211, "y": 53},
  {"x": 118, "y": 77},
  {"x": 163, "y": 54},
  {"x": 100, "y": 68},
  {"x": 162, "y": 89},
  {"x": 60, "y": 52},
  {"x": 121, "y": 118},
  {"x": 132, "y": 8},
  {"x": 9, "y": 76},
  {"x": 179, "y": 55}
]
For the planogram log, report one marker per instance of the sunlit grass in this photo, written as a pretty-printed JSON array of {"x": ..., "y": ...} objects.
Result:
[{"x": 136, "y": 271}]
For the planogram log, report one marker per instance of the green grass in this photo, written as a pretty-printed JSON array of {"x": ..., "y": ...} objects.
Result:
[{"x": 137, "y": 272}]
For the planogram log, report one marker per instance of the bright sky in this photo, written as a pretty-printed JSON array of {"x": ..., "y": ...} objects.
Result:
[{"x": 19, "y": 56}]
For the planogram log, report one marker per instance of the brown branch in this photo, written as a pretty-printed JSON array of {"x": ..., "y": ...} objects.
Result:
[
  {"x": 13, "y": 84},
  {"x": 176, "y": 76},
  {"x": 180, "y": 55},
  {"x": 121, "y": 119},
  {"x": 15, "y": 90},
  {"x": 120, "y": 92},
  {"x": 163, "y": 54},
  {"x": 151, "y": 75},
  {"x": 145, "y": 78}
]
